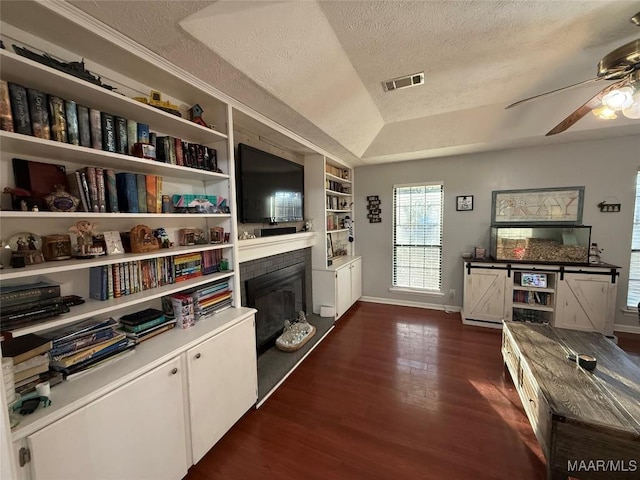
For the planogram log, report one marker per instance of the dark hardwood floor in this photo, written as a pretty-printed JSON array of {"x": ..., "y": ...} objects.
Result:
[{"x": 391, "y": 393}]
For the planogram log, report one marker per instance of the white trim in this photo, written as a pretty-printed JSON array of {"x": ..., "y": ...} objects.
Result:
[
  {"x": 404, "y": 303},
  {"x": 420, "y": 291},
  {"x": 259, "y": 404},
  {"x": 481, "y": 323},
  {"x": 267, "y": 246},
  {"x": 627, "y": 328}
]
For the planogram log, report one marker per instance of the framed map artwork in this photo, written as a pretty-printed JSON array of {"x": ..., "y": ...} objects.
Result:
[{"x": 561, "y": 205}]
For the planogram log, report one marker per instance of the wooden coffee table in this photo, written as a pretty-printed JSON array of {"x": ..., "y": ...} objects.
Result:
[{"x": 587, "y": 423}]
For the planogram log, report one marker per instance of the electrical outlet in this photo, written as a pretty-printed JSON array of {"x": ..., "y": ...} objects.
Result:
[{"x": 452, "y": 293}]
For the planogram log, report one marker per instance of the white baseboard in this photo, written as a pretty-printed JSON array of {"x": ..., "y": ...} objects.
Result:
[
  {"x": 627, "y": 328},
  {"x": 405, "y": 303},
  {"x": 481, "y": 323}
]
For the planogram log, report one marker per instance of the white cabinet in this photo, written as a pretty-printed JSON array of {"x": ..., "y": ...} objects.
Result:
[
  {"x": 136, "y": 431},
  {"x": 223, "y": 384},
  {"x": 339, "y": 286},
  {"x": 485, "y": 296}
]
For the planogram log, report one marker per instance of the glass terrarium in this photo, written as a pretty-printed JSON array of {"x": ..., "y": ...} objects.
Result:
[{"x": 544, "y": 244}]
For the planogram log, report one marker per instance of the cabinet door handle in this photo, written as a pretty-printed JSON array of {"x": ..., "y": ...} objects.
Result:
[
  {"x": 174, "y": 371},
  {"x": 198, "y": 355}
]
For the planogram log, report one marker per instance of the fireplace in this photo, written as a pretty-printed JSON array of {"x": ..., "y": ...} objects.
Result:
[{"x": 277, "y": 296}]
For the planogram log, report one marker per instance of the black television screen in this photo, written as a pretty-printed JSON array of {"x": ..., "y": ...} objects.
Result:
[{"x": 270, "y": 189}]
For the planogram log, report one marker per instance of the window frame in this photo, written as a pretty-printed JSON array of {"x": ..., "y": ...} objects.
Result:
[
  {"x": 396, "y": 288},
  {"x": 633, "y": 306}
]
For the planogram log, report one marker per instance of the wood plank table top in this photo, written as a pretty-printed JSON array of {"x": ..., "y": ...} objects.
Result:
[{"x": 608, "y": 397}]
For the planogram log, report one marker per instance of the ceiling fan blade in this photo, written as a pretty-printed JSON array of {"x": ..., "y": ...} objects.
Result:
[
  {"x": 594, "y": 102},
  {"x": 551, "y": 92}
]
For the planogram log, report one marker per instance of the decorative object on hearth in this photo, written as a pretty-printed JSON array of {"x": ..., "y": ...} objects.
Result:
[
  {"x": 56, "y": 247},
  {"x": 61, "y": 201},
  {"x": 26, "y": 249},
  {"x": 296, "y": 334},
  {"x": 373, "y": 206},
  {"x": 142, "y": 239}
]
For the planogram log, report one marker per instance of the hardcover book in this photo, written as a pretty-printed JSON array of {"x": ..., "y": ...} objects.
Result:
[
  {"x": 58, "y": 119},
  {"x": 172, "y": 151},
  {"x": 141, "y": 185},
  {"x": 24, "y": 347},
  {"x": 102, "y": 194},
  {"x": 92, "y": 181},
  {"x": 39, "y": 113},
  {"x": 112, "y": 191},
  {"x": 19, "y": 109},
  {"x": 152, "y": 194},
  {"x": 108, "y": 132},
  {"x": 98, "y": 282},
  {"x": 132, "y": 135},
  {"x": 76, "y": 189},
  {"x": 143, "y": 133},
  {"x": 6, "y": 118},
  {"x": 95, "y": 123},
  {"x": 179, "y": 151},
  {"x": 84, "y": 127},
  {"x": 73, "y": 127},
  {"x": 127, "y": 187},
  {"x": 121, "y": 135}
]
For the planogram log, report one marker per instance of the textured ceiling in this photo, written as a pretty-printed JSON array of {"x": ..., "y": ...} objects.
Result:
[{"x": 317, "y": 67}]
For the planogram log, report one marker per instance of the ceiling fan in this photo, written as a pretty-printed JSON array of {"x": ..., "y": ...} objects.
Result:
[{"x": 622, "y": 66}]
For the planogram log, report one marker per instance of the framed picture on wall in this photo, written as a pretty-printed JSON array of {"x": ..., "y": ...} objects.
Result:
[
  {"x": 539, "y": 205},
  {"x": 464, "y": 203}
]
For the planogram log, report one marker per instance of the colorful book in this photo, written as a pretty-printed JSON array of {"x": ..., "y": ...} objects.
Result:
[
  {"x": 111, "y": 190},
  {"x": 121, "y": 135},
  {"x": 86, "y": 353},
  {"x": 19, "y": 109},
  {"x": 73, "y": 127},
  {"x": 95, "y": 123},
  {"x": 58, "y": 118},
  {"x": 84, "y": 127},
  {"x": 39, "y": 113},
  {"x": 151, "y": 193},
  {"x": 143, "y": 133},
  {"x": 159, "y": 197},
  {"x": 82, "y": 341},
  {"x": 6, "y": 118},
  {"x": 141, "y": 185},
  {"x": 132, "y": 135},
  {"x": 102, "y": 194},
  {"x": 108, "y": 132},
  {"x": 92, "y": 182},
  {"x": 69, "y": 332}
]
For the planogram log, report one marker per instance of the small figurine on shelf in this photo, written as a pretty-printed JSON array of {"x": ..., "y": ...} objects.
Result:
[
  {"x": 61, "y": 201},
  {"x": 142, "y": 240},
  {"x": 195, "y": 115},
  {"x": 84, "y": 231},
  {"x": 163, "y": 238}
]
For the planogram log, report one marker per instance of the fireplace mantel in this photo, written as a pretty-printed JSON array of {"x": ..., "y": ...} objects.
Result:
[{"x": 266, "y": 246}]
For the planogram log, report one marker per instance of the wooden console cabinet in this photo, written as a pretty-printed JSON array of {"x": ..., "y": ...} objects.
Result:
[
  {"x": 580, "y": 297},
  {"x": 587, "y": 423}
]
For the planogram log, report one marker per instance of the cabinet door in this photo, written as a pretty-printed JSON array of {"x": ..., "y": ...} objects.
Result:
[
  {"x": 223, "y": 384},
  {"x": 356, "y": 280},
  {"x": 136, "y": 431},
  {"x": 485, "y": 295},
  {"x": 343, "y": 290},
  {"x": 585, "y": 302}
]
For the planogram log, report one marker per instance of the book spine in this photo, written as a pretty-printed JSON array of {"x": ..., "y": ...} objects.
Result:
[
  {"x": 117, "y": 292},
  {"x": 108, "y": 132},
  {"x": 145, "y": 326},
  {"x": 141, "y": 186},
  {"x": 85, "y": 190},
  {"x": 84, "y": 128},
  {"x": 127, "y": 284},
  {"x": 151, "y": 194},
  {"x": 7, "y": 310},
  {"x": 19, "y": 109},
  {"x": 39, "y": 113},
  {"x": 75, "y": 188},
  {"x": 6, "y": 118},
  {"x": 159, "y": 206},
  {"x": 143, "y": 133},
  {"x": 26, "y": 296},
  {"x": 31, "y": 312},
  {"x": 58, "y": 119},
  {"x": 73, "y": 127},
  {"x": 93, "y": 189},
  {"x": 97, "y": 283},
  {"x": 95, "y": 124},
  {"x": 82, "y": 342},
  {"x": 213, "y": 155},
  {"x": 172, "y": 151},
  {"x": 132, "y": 135},
  {"x": 152, "y": 138},
  {"x": 199, "y": 156},
  {"x": 179, "y": 151},
  {"x": 102, "y": 195},
  {"x": 112, "y": 191},
  {"x": 109, "y": 282},
  {"x": 121, "y": 135}
]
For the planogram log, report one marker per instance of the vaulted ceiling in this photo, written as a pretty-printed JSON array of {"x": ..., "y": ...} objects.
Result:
[{"x": 317, "y": 67}]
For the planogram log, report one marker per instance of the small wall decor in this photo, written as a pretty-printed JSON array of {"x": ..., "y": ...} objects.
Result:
[
  {"x": 610, "y": 207},
  {"x": 373, "y": 206},
  {"x": 561, "y": 205},
  {"x": 464, "y": 203}
]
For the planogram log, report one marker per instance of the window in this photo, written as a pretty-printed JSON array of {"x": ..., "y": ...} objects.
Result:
[
  {"x": 417, "y": 236},
  {"x": 633, "y": 294}
]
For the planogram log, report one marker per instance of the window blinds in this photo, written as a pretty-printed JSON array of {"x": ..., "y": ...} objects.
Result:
[
  {"x": 633, "y": 293},
  {"x": 417, "y": 236}
]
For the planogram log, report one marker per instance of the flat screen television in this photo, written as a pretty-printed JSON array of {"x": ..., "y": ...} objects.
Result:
[{"x": 270, "y": 189}]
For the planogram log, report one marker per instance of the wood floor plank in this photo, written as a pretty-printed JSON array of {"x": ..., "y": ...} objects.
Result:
[{"x": 391, "y": 393}]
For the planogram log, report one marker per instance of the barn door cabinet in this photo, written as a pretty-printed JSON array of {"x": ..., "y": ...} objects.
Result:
[{"x": 578, "y": 297}]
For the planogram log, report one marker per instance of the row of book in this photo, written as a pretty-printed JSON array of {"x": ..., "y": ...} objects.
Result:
[
  {"x": 337, "y": 172},
  {"x": 27, "y": 304},
  {"x": 145, "y": 324},
  {"x": 127, "y": 278},
  {"x": 535, "y": 298},
  {"x": 336, "y": 203},
  {"x": 337, "y": 187},
  {"x": 31, "y": 112},
  {"x": 196, "y": 304}
]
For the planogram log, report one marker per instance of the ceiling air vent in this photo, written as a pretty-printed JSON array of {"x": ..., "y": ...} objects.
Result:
[{"x": 403, "y": 82}]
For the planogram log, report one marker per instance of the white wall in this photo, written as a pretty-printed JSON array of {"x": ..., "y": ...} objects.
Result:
[{"x": 606, "y": 168}]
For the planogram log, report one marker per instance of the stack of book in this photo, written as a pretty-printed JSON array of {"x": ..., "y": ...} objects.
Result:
[
  {"x": 197, "y": 304},
  {"x": 84, "y": 345},
  {"x": 24, "y": 305},
  {"x": 30, "y": 357},
  {"x": 145, "y": 324}
]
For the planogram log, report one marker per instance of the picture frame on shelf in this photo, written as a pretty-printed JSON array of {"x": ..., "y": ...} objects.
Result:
[
  {"x": 113, "y": 243},
  {"x": 464, "y": 203},
  {"x": 329, "y": 246},
  {"x": 557, "y": 205}
]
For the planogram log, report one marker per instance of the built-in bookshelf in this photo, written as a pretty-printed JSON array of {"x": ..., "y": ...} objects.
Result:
[{"x": 534, "y": 296}]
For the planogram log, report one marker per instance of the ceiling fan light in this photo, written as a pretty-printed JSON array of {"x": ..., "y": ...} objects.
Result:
[
  {"x": 633, "y": 111},
  {"x": 618, "y": 99},
  {"x": 605, "y": 113}
]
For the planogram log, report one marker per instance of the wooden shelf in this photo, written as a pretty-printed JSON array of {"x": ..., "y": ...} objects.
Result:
[
  {"x": 41, "y": 215},
  {"x": 52, "y": 151},
  {"x": 75, "y": 264},
  {"x": 339, "y": 194},
  {"x": 338, "y": 211},
  {"x": 534, "y": 289},
  {"x": 533, "y": 306},
  {"x": 334, "y": 178}
]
